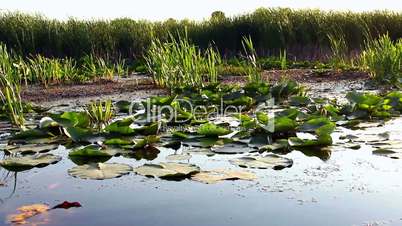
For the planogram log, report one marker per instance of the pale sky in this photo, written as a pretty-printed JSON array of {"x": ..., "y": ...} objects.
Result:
[{"x": 179, "y": 9}]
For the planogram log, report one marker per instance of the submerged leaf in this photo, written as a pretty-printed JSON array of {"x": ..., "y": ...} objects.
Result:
[{"x": 27, "y": 212}]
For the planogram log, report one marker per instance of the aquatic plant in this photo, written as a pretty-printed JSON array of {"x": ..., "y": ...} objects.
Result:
[
  {"x": 301, "y": 32},
  {"x": 252, "y": 67},
  {"x": 178, "y": 63},
  {"x": 100, "y": 113},
  {"x": 11, "y": 98},
  {"x": 382, "y": 58},
  {"x": 339, "y": 51}
]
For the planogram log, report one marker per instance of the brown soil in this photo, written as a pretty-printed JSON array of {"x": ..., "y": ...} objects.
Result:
[
  {"x": 96, "y": 89},
  {"x": 142, "y": 85},
  {"x": 304, "y": 75}
]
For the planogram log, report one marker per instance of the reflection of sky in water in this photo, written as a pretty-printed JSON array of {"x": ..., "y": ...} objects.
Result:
[{"x": 350, "y": 188}]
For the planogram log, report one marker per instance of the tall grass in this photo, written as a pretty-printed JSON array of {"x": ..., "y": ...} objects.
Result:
[
  {"x": 303, "y": 33},
  {"x": 45, "y": 71},
  {"x": 252, "y": 67},
  {"x": 11, "y": 100},
  {"x": 382, "y": 58},
  {"x": 339, "y": 50},
  {"x": 178, "y": 63}
]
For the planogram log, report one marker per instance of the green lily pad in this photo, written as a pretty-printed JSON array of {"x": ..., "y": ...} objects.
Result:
[
  {"x": 78, "y": 134},
  {"x": 29, "y": 162},
  {"x": 92, "y": 151},
  {"x": 147, "y": 153},
  {"x": 121, "y": 126},
  {"x": 167, "y": 170},
  {"x": 72, "y": 119},
  {"x": 263, "y": 162},
  {"x": 118, "y": 141},
  {"x": 320, "y": 141},
  {"x": 278, "y": 146},
  {"x": 215, "y": 176},
  {"x": 100, "y": 171},
  {"x": 299, "y": 101},
  {"x": 314, "y": 124},
  {"x": 212, "y": 130}
]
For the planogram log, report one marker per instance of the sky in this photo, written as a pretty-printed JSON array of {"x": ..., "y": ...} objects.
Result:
[{"x": 179, "y": 9}]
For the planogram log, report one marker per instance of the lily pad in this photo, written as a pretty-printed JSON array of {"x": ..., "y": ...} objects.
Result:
[
  {"x": 263, "y": 162},
  {"x": 388, "y": 153},
  {"x": 178, "y": 157},
  {"x": 29, "y": 148},
  {"x": 100, "y": 171},
  {"x": 212, "y": 130},
  {"x": 29, "y": 162},
  {"x": 92, "y": 151},
  {"x": 232, "y": 148},
  {"x": 167, "y": 170},
  {"x": 215, "y": 176}
]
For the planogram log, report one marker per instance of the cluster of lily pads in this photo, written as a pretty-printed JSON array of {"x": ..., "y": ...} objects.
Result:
[{"x": 261, "y": 132}]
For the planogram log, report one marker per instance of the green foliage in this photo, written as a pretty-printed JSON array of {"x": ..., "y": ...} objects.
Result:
[
  {"x": 382, "y": 58},
  {"x": 339, "y": 49},
  {"x": 303, "y": 33},
  {"x": 11, "y": 99},
  {"x": 178, "y": 63},
  {"x": 100, "y": 113},
  {"x": 45, "y": 71},
  {"x": 252, "y": 66}
]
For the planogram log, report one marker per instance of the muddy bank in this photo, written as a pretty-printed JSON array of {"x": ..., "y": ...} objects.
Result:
[{"x": 140, "y": 86}]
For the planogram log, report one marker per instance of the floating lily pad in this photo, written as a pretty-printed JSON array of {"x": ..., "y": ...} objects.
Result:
[
  {"x": 199, "y": 151},
  {"x": 212, "y": 130},
  {"x": 148, "y": 153},
  {"x": 29, "y": 148},
  {"x": 92, "y": 151},
  {"x": 100, "y": 171},
  {"x": 121, "y": 126},
  {"x": 72, "y": 119},
  {"x": 167, "y": 170},
  {"x": 118, "y": 141},
  {"x": 232, "y": 148},
  {"x": 178, "y": 157},
  {"x": 29, "y": 162},
  {"x": 388, "y": 153},
  {"x": 263, "y": 162},
  {"x": 78, "y": 134},
  {"x": 324, "y": 140},
  {"x": 215, "y": 176},
  {"x": 278, "y": 146}
]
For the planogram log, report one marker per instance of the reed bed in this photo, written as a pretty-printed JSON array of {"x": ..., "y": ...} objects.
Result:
[{"x": 304, "y": 34}]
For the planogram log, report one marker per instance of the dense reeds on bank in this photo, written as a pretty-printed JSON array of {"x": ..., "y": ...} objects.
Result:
[{"x": 302, "y": 33}]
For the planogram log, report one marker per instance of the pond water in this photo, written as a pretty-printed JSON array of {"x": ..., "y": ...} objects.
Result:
[
  {"x": 345, "y": 184},
  {"x": 352, "y": 187}
]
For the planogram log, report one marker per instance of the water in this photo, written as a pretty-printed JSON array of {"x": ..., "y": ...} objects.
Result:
[{"x": 353, "y": 187}]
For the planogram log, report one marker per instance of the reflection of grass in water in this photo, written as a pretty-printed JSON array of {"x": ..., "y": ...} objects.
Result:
[{"x": 5, "y": 177}]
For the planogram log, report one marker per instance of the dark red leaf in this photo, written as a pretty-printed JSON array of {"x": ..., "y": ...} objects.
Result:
[{"x": 67, "y": 205}]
